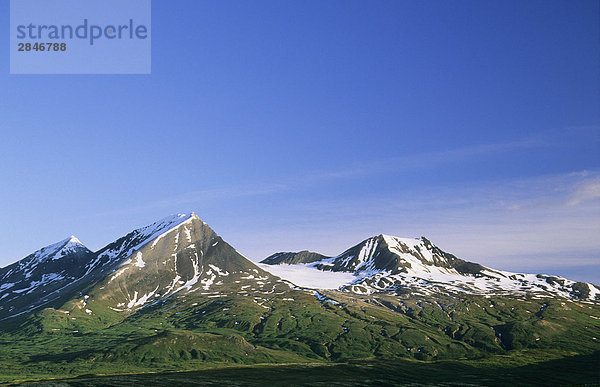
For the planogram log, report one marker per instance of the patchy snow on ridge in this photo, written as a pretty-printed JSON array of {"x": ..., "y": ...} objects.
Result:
[
  {"x": 142, "y": 236},
  {"x": 413, "y": 244},
  {"x": 419, "y": 267},
  {"x": 161, "y": 228}
]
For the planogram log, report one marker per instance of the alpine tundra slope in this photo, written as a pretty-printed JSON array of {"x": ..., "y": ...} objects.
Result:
[{"x": 174, "y": 296}]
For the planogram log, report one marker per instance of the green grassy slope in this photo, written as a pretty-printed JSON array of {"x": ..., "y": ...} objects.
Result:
[
  {"x": 198, "y": 332},
  {"x": 494, "y": 371}
]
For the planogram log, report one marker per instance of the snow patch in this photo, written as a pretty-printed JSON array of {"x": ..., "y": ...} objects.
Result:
[
  {"x": 304, "y": 275},
  {"x": 218, "y": 270},
  {"x": 206, "y": 282},
  {"x": 118, "y": 273},
  {"x": 133, "y": 302},
  {"x": 138, "y": 260}
]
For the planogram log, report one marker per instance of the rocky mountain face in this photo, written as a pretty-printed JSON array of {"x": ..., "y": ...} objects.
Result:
[
  {"x": 174, "y": 256},
  {"x": 41, "y": 277},
  {"x": 186, "y": 258},
  {"x": 181, "y": 255},
  {"x": 416, "y": 266}
]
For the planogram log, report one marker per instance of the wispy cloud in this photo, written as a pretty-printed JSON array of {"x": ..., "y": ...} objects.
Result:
[
  {"x": 413, "y": 162},
  {"x": 584, "y": 191}
]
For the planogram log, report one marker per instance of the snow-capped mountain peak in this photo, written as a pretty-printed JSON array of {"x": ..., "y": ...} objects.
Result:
[
  {"x": 385, "y": 263},
  {"x": 55, "y": 251},
  {"x": 176, "y": 256},
  {"x": 386, "y": 253},
  {"x": 75, "y": 240},
  {"x": 38, "y": 278},
  {"x": 57, "y": 269},
  {"x": 155, "y": 229},
  {"x": 135, "y": 240},
  {"x": 181, "y": 250},
  {"x": 71, "y": 245}
]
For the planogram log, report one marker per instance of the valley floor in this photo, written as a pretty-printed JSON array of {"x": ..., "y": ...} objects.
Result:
[{"x": 521, "y": 368}]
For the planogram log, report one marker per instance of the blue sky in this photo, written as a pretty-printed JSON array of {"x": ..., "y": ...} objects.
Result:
[{"x": 314, "y": 125}]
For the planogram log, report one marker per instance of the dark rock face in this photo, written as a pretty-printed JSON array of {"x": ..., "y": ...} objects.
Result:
[
  {"x": 580, "y": 290},
  {"x": 39, "y": 278},
  {"x": 293, "y": 258}
]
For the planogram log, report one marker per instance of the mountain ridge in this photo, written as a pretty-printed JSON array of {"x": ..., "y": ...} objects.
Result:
[
  {"x": 175, "y": 295},
  {"x": 380, "y": 264},
  {"x": 129, "y": 271},
  {"x": 385, "y": 263}
]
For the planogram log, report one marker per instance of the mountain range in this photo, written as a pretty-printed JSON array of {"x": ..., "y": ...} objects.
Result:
[
  {"x": 175, "y": 296},
  {"x": 416, "y": 266},
  {"x": 175, "y": 256}
]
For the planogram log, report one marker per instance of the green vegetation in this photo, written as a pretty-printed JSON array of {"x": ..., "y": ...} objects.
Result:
[
  {"x": 495, "y": 371},
  {"x": 471, "y": 339}
]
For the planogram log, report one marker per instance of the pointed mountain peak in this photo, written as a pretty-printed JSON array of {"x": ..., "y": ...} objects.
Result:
[
  {"x": 138, "y": 238},
  {"x": 377, "y": 253},
  {"x": 67, "y": 246},
  {"x": 169, "y": 223},
  {"x": 73, "y": 240},
  {"x": 179, "y": 255},
  {"x": 59, "y": 249},
  {"x": 166, "y": 224}
]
